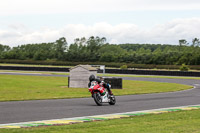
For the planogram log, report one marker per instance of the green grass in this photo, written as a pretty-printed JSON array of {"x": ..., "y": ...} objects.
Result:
[
  {"x": 176, "y": 122},
  {"x": 143, "y": 87},
  {"x": 18, "y": 87}
]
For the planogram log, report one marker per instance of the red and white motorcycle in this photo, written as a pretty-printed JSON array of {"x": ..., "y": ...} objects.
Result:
[{"x": 100, "y": 94}]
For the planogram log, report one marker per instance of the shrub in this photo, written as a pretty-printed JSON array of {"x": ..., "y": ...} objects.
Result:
[
  {"x": 123, "y": 67},
  {"x": 184, "y": 68}
]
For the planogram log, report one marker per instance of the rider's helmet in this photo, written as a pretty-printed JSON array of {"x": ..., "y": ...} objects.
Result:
[{"x": 92, "y": 77}]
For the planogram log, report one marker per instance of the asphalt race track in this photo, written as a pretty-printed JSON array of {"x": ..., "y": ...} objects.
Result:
[{"x": 23, "y": 111}]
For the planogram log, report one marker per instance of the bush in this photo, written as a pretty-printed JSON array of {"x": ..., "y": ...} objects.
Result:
[
  {"x": 123, "y": 67},
  {"x": 184, "y": 67},
  {"x": 107, "y": 64}
]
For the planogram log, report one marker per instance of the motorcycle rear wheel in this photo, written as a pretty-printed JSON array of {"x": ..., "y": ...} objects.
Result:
[{"x": 97, "y": 98}]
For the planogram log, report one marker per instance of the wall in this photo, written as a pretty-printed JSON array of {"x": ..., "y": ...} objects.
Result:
[{"x": 79, "y": 77}]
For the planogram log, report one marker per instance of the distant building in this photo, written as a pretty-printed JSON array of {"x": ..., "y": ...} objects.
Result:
[{"x": 79, "y": 76}]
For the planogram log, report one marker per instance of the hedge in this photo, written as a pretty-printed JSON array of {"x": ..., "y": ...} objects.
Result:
[{"x": 107, "y": 64}]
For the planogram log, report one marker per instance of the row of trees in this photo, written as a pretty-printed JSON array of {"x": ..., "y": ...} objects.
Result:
[
  {"x": 44, "y": 51},
  {"x": 95, "y": 49}
]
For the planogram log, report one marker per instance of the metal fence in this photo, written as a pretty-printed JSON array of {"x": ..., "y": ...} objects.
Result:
[{"x": 112, "y": 71}]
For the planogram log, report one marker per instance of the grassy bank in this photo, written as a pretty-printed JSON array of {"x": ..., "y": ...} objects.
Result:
[
  {"x": 176, "y": 122},
  {"x": 18, "y": 87}
]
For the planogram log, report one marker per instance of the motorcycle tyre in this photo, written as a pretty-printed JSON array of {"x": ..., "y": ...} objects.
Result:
[
  {"x": 97, "y": 98},
  {"x": 112, "y": 100}
]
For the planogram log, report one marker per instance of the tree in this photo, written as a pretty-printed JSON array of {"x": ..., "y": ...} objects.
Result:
[
  {"x": 60, "y": 47},
  {"x": 3, "y": 50},
  {"x": 93, "y": 45},
  {"x": 195, "y": 42},
  {"x": 182, "y": 43},
  {"x": 111, "y": 53}
]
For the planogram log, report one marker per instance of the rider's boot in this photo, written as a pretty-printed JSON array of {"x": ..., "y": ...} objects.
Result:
[{"x": 110, "y": 93}]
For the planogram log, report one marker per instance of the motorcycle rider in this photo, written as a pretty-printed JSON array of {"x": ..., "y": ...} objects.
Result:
[
  {"x": 100, "y": 81},
  {"x": 106, "y": 85},
  {"x": 92, "y": 78}
]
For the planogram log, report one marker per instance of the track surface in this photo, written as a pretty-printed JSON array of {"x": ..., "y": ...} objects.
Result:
[{"x": 22, "y": 111}]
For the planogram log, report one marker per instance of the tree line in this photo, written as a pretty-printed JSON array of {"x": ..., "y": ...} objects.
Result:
[{"x": 96, "y": 49}]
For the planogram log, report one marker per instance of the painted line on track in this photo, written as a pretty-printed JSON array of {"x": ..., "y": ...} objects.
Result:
[{"x": 67, "y": 121}]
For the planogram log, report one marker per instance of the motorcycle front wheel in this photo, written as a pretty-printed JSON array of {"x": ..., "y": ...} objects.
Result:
[
  {"x": 97, "y": 98},
  {"x": 112, "y": 100}
]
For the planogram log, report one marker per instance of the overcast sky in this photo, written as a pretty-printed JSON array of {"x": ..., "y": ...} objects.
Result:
[{"x": 120, "y": 21}]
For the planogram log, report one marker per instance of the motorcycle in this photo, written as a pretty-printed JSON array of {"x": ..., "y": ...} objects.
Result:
[{"x": 100, "y": 94}]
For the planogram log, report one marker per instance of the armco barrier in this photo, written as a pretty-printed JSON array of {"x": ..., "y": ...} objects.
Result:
[
  {"x": 114, "y": 71},
  {"x": 151, "y": 72},
  {"x": 59, "y": 69}
]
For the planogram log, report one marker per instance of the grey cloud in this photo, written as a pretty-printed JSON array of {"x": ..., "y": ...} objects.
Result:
[
  {"x": 168, "y": 33},
  {"x": 4, "y": 35}
]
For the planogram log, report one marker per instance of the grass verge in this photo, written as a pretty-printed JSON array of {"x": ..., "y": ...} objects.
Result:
[
  {"x": 175, "y": 122},
  {"x": 18, "y": 87}
]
